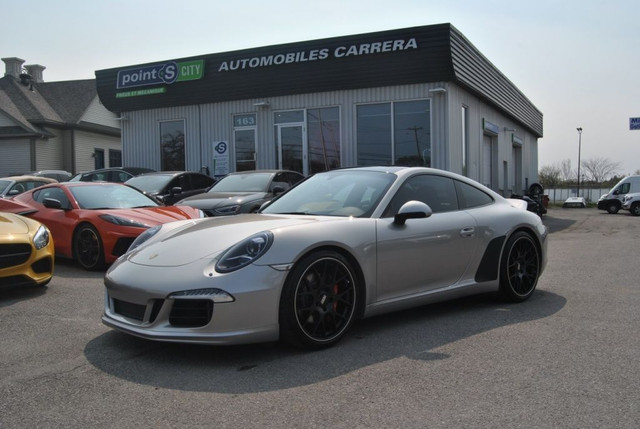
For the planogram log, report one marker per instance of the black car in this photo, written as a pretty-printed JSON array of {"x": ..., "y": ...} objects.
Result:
[
  {"x": 243, "y": 192},
  {"x": 171, "y": 186},
  {"x": 111, "y": 174}
]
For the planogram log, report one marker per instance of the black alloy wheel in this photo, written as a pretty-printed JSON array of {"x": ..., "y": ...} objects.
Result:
[
  {"x": 318, "y": 303},
  {"x": 520, "y": 267},
  {"x": 87, "y": 248}
]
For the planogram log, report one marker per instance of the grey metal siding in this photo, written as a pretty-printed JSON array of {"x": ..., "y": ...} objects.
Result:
[
  {"x": 16, "y": 157},
  {"x": 479, "y": 75}
]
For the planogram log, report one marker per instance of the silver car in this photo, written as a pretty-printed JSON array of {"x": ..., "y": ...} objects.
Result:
[{"x": 341, "y": 245}]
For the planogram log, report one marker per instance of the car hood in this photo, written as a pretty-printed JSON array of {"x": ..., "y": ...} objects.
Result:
[
  {"x": 208, "y": 237},
  {"x": 211, "y": 200},
  {"x": 152, "y": 216},
  {"x": 11, "y": 224}
]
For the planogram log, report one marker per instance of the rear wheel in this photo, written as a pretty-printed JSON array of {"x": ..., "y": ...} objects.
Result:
[
  {"x": 520, "y": 267},
  {"x": 319, "y": 299},
  {"x": 87, "y": 248},
  {"x": 635, "y": 209}
]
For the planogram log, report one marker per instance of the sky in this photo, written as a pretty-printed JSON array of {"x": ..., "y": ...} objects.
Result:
[{"x": 578, "y": 62}]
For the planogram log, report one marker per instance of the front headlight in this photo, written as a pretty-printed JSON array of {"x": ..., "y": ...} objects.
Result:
[
  {"x": 245, "y": 252},
  {"x": 117, "y": 220},
  {"x": 228, "y": 210},
  {"x": 41, "y": 238},
  {"x": 144, "y": 237}
]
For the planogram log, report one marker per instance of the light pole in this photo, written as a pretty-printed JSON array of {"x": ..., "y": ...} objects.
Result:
[{"x": 579, "y": 147}]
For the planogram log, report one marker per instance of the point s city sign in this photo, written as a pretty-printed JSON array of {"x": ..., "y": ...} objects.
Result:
[{"x": 159, "y": 74}]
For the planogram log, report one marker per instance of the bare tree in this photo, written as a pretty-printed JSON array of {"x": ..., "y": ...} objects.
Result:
[
  {"x": 566, "y": 173},
  {"x": 550, "y": 176},
  {"x": 600, "y": 169}
]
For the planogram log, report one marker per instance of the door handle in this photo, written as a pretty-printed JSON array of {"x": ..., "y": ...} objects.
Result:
[{"x": 467, "y": 232}]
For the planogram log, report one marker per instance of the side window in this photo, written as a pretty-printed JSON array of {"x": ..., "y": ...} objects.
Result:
[
  {"x": 472, "y": 197},
  {"x": 292, "y": 178},
  {"x": 280, "y": 180},
  {"x": 625, "y": 188},
  {"x": 200, "y": 182},
  {"x": 54, "y": 193},
  {"x": 438, "y": 192}
]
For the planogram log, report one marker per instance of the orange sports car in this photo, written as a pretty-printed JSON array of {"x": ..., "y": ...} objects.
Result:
[
  {"x": 94, "y": 223},
  {"x": 26, "y": 252}
]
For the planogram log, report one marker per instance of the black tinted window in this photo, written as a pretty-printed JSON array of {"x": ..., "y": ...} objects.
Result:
[
  {"x": 438, "y": 192},
  {"x": 473, "y": 197}
]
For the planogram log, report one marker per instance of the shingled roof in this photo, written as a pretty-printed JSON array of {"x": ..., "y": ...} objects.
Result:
[{"x": 33, "y": 104}]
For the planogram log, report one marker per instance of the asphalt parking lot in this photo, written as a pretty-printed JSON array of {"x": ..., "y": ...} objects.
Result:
[{"x": 567, "y": 358}]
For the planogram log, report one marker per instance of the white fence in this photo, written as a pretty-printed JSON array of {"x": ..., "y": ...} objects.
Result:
[{"x": 559, "y": 195}]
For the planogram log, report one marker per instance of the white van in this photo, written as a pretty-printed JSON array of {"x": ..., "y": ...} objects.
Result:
[{"x": 612, "y": 201}]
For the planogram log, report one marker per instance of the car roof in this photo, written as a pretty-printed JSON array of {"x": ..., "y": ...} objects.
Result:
[{"x": 29, "y": 178}]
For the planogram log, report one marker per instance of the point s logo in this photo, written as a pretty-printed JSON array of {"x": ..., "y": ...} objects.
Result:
[{"x": 151, "y": 75}]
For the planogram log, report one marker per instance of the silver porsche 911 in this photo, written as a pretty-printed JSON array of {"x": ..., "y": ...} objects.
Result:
[{"x": 341, "y": 245}]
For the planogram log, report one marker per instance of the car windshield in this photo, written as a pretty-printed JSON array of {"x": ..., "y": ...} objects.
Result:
[
  {"x": 335, "y": 193},
  {"x": 254, "y": 182},
  {"x": 4, "y": 184},
  {"x": 110, "y": 197},
  {"x": 152, "y": 184}
]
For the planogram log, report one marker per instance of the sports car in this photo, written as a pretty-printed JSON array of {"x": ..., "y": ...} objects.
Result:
[
  {"x": 341, "y": 245},
  {"x": 26, "y": 252},
  {"x": 94, "y": 223}
]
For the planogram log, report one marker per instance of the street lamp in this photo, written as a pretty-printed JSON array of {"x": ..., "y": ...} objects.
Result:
[{"x": 579, "y": 147}]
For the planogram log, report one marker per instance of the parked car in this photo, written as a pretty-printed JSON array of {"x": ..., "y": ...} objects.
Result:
[
  {"x": 612, "y": 201},
  {"x": 578, "y": 202},
  {"x": 94, "y": 223},
  {"x": 26, "y": 252},
  {"x": 631, "y": 202},
  {"x": 169, "y": 187},
  {"x": 14, "y": 185},
  {"x": 341, "y": 245},
  {"x": 59, "y": 175},
  {"x": 243, "y": 192},
  {"x": 111, "y": 174}
]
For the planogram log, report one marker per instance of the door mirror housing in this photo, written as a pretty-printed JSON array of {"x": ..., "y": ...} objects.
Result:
[{"x": 412, "y": 210}]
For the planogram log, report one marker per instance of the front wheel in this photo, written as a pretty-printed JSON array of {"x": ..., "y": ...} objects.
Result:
[
  {"x": 520, "y": 267},
  {"x": 612, "y": 208},
  {"x": 87, "y": 248},
  {"x": 319, "y": 301}
]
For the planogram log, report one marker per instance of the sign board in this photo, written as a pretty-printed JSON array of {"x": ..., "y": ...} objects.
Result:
[
  {"x": 634, "y": 123},
  {"x": 220, "y": 159}
]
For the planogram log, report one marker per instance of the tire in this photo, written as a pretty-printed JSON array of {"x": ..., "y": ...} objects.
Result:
[
  {"x": 519, "y": 268},
  {"x": 612, "y": 208},
  {"x": 87, "y": 248},
  {"x": 319, "y": 301},
  {"x": 635, "y": 209}
]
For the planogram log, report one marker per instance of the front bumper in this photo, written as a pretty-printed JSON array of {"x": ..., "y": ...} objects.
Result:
[{"x": 138, "y": 301}]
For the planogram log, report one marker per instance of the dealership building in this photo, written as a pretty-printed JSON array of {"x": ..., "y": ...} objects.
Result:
[{"x": 415, "y": 96}]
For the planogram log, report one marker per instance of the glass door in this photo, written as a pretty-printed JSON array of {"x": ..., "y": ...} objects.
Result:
[
  {"x": 292, "y": 148},
  {"x": 245, "y": 145}
]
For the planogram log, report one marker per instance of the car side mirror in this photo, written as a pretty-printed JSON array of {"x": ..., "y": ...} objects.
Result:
[
  {"x": 278, "y": 190},
  {"x": 13, "y": 192},
  {"x": 412, "y": 210},
  {"x": 616, "y": 192},
  {"x": 175, "y": 190},
  {"x": 52, "y": 203}
]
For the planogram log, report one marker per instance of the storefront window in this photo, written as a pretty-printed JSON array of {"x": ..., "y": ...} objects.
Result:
[
  {"x": 374, "y": 134},
  {"x": 172, "y": 141},
  {"x": 412, "y": 133},
  {"x": 323, "y": 139},
  {"x": 394, "y": 133}
]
